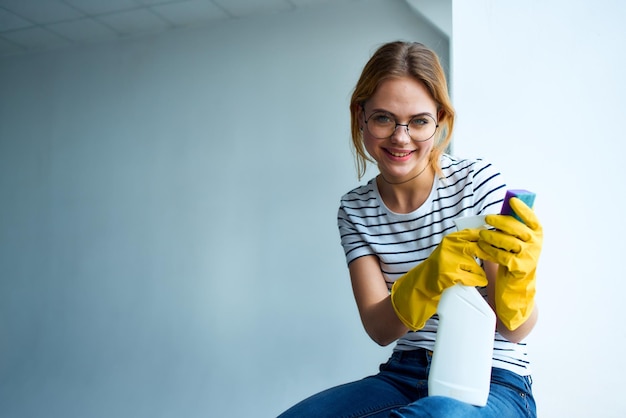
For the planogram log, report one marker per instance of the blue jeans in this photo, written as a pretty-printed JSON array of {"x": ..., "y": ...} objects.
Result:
[{"x": 401, "y": 390}]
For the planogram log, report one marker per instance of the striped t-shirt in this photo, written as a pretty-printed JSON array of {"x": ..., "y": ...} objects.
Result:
[{"x": 401, "y": 241}]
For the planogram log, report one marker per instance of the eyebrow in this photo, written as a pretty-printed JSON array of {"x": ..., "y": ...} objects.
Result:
[{"x": 396, "y": 116}]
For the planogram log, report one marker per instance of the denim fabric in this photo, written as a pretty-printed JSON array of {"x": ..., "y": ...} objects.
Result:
[{"x": 401, "y": 390}]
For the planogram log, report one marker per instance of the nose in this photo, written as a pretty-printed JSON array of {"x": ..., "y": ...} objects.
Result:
[{"x": 401, "y": 135}]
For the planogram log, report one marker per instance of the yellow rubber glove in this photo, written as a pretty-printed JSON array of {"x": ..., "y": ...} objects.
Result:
[
  {"x": 516, "y": 247},
  {"x": 415, "y": 295}
]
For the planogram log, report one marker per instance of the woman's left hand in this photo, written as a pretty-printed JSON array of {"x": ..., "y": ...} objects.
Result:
[{"x": 516, "y": 247}]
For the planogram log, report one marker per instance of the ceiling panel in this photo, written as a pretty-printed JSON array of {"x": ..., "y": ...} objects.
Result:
[
  {"x": 41, "y": 11},
  {"x": 84, "y": 31},
  {"x": 36, "y": 25},
  {"x": 135, "y": 21},
  {"x": 189, "y": 12},
  {"x": 35, "y": 38},
  {"x": 241, "y": 8},
  {"x": 8, "y": 48},
  {"x": 96, "y": 7},
  {"x": 10, "y": 21}
]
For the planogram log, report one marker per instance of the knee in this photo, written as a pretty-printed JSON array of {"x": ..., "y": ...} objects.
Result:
[{"x": 433, "y": 406}]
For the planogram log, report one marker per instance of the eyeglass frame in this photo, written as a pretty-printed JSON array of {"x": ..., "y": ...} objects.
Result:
[{"x": 406, "y": 125}]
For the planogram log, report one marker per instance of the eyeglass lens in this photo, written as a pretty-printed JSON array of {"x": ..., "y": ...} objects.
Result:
[{"x": 382, "y": 125}]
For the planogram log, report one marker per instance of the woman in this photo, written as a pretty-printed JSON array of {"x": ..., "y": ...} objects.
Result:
[{"x": 402, "y": 250}]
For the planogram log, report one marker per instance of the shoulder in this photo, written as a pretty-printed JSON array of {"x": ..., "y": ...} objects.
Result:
[
  {"x": 452, "y": 166},
  {"x": 473, "y": 177},
  {"x": 360, "y": 206},
  {"x": 360, "y": 195}
]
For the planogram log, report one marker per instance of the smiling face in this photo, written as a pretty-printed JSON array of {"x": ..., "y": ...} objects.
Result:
[{"x": 399, "y": 157}]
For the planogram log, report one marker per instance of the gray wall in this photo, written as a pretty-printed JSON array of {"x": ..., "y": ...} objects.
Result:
[{"x": 168, "y": 240}]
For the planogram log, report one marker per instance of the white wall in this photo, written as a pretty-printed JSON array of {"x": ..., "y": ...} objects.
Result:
[
  {"x": 168, "y": 240},
  {"x": 539, "y": 88}
]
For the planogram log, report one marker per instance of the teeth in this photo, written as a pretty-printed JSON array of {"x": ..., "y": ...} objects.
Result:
[{"x": 399, "y": 154}]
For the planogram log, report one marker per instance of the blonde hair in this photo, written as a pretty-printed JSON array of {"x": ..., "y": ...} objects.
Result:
[{"x": 403, "y": 59}]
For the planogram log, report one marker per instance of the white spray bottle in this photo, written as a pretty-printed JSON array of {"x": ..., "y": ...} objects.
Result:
[{"x": 462, "y": 357}]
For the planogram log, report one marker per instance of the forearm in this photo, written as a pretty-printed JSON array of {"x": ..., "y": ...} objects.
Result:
[
  {"x": 381, "y": 322},
  {"x": 522, "y": 331},
  {"x": 374, "y": 302}
]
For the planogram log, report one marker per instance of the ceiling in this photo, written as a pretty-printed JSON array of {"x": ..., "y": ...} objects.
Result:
[{"x": 36, "y": 25}]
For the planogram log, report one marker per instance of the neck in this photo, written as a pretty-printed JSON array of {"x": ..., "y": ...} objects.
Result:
[
  {"x": 408, "y": 180},
  {"x": 407, "y": 195}
]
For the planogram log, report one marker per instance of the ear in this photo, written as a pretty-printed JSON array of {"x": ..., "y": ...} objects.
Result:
[{"x": 359, "y": 116}]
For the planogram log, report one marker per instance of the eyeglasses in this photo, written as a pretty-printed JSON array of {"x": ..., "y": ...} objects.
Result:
[{"x": 382, "y": 125}]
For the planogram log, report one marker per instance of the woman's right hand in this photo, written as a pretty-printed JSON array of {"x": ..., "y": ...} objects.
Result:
[{"x": 415, "y": 295}]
